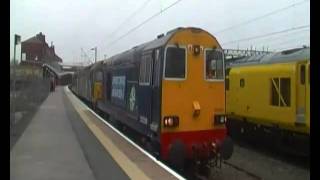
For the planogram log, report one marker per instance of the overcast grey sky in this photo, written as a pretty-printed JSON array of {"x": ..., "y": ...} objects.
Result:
[{"x": 76, "y": 24}]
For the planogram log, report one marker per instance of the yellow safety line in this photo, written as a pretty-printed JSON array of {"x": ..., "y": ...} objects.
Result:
[{"x": 124, "y": 162}]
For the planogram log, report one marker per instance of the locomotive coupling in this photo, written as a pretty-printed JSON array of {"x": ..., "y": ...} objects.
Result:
[{"x": 215, "y": 149}]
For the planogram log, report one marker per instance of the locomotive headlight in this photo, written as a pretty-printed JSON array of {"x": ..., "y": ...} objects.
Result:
[
  {"x": 222, "y": 118},
  {"x": 196, "y": 50},
  {"x": 171, "y": 121},
  {"x": 219, "y": 119}
]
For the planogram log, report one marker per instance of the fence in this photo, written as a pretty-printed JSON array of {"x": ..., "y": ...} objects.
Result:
[{"x": 30, "y": 90}]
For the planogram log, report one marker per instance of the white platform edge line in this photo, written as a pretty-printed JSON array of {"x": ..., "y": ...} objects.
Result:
[{"x": 175, "y": 174}]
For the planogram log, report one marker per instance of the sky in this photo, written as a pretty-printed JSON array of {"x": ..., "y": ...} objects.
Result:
[{"x": 73, "y": 25}]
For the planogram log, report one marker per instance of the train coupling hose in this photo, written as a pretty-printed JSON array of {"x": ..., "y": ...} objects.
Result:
[{"x": 225, "y": 148}]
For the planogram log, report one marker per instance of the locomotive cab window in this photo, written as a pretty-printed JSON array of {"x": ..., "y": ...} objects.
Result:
[
  {"x": 98, "y": 76},
  {"x": 280, "y": 92},
  {"x": 145, "y": 70},
  {"x": 242, "y": 82},
  {"x": 302, "y": 74},
  {"x": 214, "y": 65},
  {"x": 175, "y": 63}
]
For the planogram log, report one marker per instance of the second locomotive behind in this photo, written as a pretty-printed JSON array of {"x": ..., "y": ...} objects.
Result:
[{"x": 268, "y": 97}]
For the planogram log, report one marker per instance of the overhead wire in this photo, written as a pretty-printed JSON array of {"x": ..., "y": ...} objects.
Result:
[
  {"x": 291, "y": 43},
  {"x": 268, "y": 34},
  {"x": 84, "y": 55},
  {"x": 261, "y": 17},
  {"x": 145, "y": 21},
  {"x": 301, "y": 37},
  {"x": 280, "y": 37},
  {"x": 87, "y": 59},
  {"x": 270, "y": 41},
  {"x": 223, "y": 30},
  {"x": 131, "y": 16}
]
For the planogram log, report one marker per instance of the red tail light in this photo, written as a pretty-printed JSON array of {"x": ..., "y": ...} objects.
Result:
[{"x": 171, "y": 121}]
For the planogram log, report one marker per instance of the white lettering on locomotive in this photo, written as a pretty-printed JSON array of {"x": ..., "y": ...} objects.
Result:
[{"x": 118, "y": 87}]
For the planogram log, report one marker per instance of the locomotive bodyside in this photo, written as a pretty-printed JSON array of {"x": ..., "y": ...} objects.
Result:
[{"x": 272, "y": 93}]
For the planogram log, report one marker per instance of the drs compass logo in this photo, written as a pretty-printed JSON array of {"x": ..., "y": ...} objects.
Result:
[{"x": 132, "y": 98}]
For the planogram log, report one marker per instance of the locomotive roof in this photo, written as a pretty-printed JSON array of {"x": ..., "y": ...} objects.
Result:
[
  {"x": 161, "y": 40},
  {"x": 95, "y": 65},
  {"x": 277, "y": 57}
]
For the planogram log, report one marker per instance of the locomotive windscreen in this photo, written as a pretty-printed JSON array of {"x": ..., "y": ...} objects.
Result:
[{"x": 175, "y": 63}]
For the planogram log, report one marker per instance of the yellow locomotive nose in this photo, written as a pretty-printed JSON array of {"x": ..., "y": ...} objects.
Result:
[{"x": 193, "y": 90}]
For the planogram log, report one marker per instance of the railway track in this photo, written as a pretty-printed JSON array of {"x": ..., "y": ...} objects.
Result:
[
  {"x": 242, "y": 170},
  {"x": 268, "y": 150},
  {"x": 237, "y": 168},
  {"x": 246, "y": 174},
  {"x": 258, "y": 162}
]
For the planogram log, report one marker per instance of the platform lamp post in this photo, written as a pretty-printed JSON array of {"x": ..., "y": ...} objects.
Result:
[
  {"x": 95, "y": 53},
  {"x": 17, "y": 40}
]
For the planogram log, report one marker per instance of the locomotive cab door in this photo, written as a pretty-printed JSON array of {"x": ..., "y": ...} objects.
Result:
[
  {"x": 108, "y": 86},
  {"x": 301, "y": 94},
  {"x": 145, "y": 92},
  {"x": 156, "y": 93}
]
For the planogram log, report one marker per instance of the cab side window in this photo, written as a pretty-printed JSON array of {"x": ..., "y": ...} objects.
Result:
[
  {"x": 213, "y": 64},
  {"x": 145, "y": 70},
  {"x": 98, "y": 76},
  {"x": 280, "y": 92},
  {"x": 242, "y": 82}
]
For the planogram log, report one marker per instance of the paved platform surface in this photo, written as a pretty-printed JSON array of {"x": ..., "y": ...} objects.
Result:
[
  {"x": 133, "y": 160},
  {"x": 57, "y": 145}
]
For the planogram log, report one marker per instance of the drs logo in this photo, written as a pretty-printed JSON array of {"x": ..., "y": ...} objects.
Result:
[
  {"x": 118, "y": 87},
  {"x": 132, "y": 98}
]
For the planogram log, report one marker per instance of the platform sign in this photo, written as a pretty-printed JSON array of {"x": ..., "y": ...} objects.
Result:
[{"x": 118, "y": 87}]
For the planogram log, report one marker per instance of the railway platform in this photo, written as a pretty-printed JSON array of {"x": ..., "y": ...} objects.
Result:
[{"x": 66, "y": 140}]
